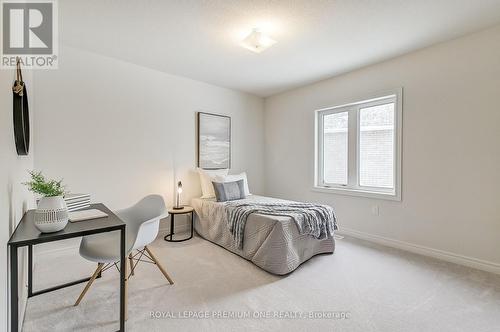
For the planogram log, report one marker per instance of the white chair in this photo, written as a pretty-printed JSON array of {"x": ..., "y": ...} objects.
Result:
[{"x": 143, "y": 222}]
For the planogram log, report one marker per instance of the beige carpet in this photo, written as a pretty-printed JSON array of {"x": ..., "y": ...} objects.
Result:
[{"x": 375, "y": 288}]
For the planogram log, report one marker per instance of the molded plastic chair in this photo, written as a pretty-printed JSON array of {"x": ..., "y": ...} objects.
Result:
[{"x": 143, "y": 222}]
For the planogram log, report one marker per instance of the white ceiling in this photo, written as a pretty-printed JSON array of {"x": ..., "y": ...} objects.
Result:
[{"x": 316, "y": 39}]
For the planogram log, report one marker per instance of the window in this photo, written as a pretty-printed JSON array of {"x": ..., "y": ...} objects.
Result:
[
  {"x": 335, "y": 147},
  {"x": 358, "y": 148}
]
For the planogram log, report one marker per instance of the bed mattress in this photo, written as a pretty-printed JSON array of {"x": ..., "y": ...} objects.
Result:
[{"x": 271, "y": 242}]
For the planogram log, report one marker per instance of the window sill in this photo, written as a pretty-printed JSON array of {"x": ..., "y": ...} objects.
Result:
[{"x": 358, "y": 192}]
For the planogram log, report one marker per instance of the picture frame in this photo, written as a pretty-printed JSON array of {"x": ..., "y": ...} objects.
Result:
[{"x": 214, "y": 141}]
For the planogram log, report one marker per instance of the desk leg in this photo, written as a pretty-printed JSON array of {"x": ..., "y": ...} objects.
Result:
[
  {"x": 30, "y": 271},
  {"x": 122, "y": 279},
  {"x": 14, "y": 306}
]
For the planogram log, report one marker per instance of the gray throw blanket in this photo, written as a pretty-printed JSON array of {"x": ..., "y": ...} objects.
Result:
[{"x": 315, "y": 220}]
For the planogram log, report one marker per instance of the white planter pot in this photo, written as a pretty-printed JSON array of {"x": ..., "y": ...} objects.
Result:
[{"x": 51, "y": 214}]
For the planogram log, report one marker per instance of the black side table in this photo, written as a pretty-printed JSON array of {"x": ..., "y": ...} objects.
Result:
[{"x": 173, "y": 212}]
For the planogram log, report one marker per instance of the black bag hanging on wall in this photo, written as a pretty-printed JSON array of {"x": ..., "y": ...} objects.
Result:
[{"x": 21, "y": 113}]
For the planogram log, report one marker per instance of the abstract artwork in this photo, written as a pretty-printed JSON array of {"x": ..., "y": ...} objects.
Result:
[{"x": 214, "y": 141}]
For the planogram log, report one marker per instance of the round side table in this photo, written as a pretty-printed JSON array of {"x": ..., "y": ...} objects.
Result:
[{"x": 173, "y": 212}]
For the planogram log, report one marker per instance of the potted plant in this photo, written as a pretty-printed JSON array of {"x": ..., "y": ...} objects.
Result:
[{"x": 51, "y": 214}]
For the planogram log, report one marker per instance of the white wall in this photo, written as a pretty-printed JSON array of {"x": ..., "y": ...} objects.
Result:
[
  {"x": 451, "y": 150},
  {"x": 119, "y": 131},
  {"x": 14, "y": 198}
]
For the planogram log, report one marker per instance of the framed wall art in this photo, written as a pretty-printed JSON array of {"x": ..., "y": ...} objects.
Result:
[{"x": 214, "y": 141}]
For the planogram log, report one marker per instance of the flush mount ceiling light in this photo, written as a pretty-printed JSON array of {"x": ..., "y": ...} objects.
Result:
[{"x": 257, "y": 41}]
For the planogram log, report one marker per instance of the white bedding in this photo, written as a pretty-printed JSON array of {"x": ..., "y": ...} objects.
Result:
[{"x": 270, "y": 242}]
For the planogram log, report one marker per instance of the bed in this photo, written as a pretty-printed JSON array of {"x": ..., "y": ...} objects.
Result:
[{"x": 271, "y": 242}]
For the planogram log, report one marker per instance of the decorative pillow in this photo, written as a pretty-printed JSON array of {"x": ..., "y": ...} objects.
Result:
[
  {"x": 235, "y": 177},
  {"x": 229, "y": 191},
  {"x": 206, "y": 178}
]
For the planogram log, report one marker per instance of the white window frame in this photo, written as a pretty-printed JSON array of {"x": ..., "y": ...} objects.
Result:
[{"x": 353, "y": 187}]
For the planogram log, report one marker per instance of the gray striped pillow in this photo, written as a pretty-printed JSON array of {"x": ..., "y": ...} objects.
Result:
[{"x": 229, "y": 191}]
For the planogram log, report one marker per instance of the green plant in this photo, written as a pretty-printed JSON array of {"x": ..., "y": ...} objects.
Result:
[{"x": 46, "y": 188}]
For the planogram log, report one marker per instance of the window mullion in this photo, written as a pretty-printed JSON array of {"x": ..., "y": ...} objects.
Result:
[
  {"x": 320, "y": 150},
  {"x": 353, "y": 148}
]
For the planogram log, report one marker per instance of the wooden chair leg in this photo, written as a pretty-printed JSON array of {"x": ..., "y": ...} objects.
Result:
[
  {"x": 131, "y": 264},
  {"x": 159, "y": 266},
  {"x": 89, "y": 283}
]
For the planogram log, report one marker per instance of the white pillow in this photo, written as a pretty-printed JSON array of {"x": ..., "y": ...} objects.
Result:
[
  {"x": 235, "y": 177},
  {"x": 206, "y": 178}
]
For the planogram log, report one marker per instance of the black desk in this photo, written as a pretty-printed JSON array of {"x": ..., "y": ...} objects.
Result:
[{"x": 26, "y": 234}]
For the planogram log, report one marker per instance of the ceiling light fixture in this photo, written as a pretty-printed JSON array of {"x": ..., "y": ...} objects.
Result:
[{"x": 257, "y": 41}]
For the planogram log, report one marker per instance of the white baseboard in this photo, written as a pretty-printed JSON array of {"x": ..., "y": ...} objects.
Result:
[
  {"x": 74, "y": 244},
  {"x": 45, "y": 248},
  {"x": 179, "y": 226},
  {"x": 178, "y": 229},
  {"x": 425, "y": 251}
]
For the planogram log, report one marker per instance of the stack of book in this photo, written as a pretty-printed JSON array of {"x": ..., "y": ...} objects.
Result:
[{"x": 77, "y": 201}]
